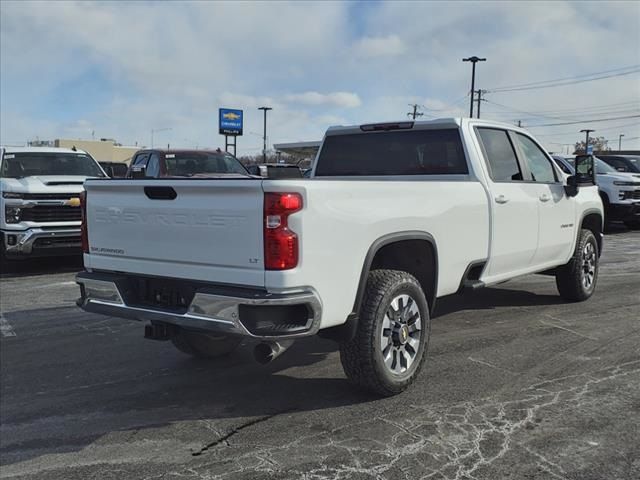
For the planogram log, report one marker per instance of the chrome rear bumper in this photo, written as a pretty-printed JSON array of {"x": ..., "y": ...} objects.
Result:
[{"x": 208, "y": 311}]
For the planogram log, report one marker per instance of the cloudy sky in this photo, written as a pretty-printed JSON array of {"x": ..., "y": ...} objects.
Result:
[{"x": 122, "y": 69}]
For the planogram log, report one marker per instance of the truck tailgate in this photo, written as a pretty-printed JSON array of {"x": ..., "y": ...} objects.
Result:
[{"x": 208, "y": 230}]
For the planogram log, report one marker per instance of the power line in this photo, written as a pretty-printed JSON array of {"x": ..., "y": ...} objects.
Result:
[
  {"x": 584, "y": 121},
  {"x": 567, "y": 113},
  {"x": 574, "y": 77},
  {"x": 568, "y": 81},
  {"x": 616, "y": 127},
  {"x": 564, "y": 117}
]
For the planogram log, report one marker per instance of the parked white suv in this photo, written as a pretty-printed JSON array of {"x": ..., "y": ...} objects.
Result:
[
  {"x": 398, "y": 215},
  {"x": 40, "y": 200},
  {"x": 620, "y": 191}
]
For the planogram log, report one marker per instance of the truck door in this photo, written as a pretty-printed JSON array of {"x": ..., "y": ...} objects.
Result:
[
  {"x": 514, "y": 205},
  {"x": 556, "y": 210}
]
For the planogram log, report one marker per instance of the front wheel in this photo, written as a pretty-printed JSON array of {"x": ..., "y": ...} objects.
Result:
[
  {"x": 204, "y": 345},
  {"x": 576, "y": 281},
  {"x": 390, "y": 345}
]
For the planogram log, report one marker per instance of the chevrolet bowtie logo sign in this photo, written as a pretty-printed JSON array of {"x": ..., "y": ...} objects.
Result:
[
  {"x": 230, "y": 121},
  {"x": 73, "y": 202},
  {"x": 231, "y": 116}
]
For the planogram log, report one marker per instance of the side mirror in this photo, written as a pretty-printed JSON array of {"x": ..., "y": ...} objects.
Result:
[
  {"x": 138, "y": 171},
  {"x": 585, "y": 170}
]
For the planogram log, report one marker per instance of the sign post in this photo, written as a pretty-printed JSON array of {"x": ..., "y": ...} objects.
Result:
[{"x": 230, "y": 125}]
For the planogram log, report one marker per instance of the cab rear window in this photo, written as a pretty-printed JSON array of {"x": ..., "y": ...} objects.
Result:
[{"x": 413, "y": 152}]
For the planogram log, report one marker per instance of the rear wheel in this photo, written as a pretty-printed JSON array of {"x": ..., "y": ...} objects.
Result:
[
  {"x": 390, "y": 345},
  {"x": 204, "y": 345},
  {"x": 576, "y": 281}
]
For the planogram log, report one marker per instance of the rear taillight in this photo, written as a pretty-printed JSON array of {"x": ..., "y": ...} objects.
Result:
[
  {"x": 84, "y": 236},
  {"x": 280, "y": 243}
]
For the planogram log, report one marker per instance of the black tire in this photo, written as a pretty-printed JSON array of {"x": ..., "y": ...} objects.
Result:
[
  {"x": 205, "y": 345},
  {"x": 570, "y": 278},
  {"x": 363, "y": 357}
]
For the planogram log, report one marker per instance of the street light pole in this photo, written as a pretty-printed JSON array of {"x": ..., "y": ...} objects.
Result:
[
  {"x": 153, "y": 130},
  {"x": 620, "y": 142},
  {"x": 586, "y": 142},
  {"x": 473, "y": 60},
  {"x": 264, "y": 135}
]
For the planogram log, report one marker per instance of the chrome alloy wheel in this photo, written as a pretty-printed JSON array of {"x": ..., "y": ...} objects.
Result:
[
  {"x": 588, "y": 270},
  {"x": 401, "y": 332}
]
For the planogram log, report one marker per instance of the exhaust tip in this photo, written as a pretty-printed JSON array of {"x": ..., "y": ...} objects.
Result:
[
  {"x": 263, "y": 353},
  {"x": 266, "y": 352}
]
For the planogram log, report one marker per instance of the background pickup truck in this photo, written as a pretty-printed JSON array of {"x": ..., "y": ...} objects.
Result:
[
  {"x": 394, "y": 216},
  {"x": 40, "y": 200}
]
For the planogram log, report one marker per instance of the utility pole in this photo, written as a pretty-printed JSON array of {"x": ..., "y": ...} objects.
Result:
[
  {"x": 264, "y": 135},
  {"x": 480, "y": 99},
  {"x": 415, "y": 112},
  {"x": 620, "y": 142},
  {"x": 586, "y": 142},
  {"x": 473, "y": 60}
]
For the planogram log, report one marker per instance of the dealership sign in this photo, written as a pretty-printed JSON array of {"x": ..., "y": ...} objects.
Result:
[{"x": 230, "y": 121}]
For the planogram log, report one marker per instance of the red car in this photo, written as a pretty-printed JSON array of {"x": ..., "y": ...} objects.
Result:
[{"x": 159, "y": 163}]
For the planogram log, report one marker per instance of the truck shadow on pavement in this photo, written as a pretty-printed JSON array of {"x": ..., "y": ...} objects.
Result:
[
  {"x": 88, "y": 376},
  {"x": 489, "y": 298}
]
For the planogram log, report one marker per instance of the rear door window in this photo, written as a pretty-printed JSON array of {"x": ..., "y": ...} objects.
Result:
[
  {"x": 500, "y": 155},
  {"x": 414, "y": 152},
  {"x": 538, "y": 163}
]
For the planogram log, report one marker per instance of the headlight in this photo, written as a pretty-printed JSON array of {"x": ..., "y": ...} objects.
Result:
[
  {"x": 12, "y": 195},
  {"x": 12, "y": 214},
  {"x": 627, "y": 184}
]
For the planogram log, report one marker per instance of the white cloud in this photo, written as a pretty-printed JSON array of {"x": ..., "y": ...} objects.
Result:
[
  {"x": 313, "y": 62},
  {"x": 369, "y": 47},
  {"x": 335, "y": 99}
]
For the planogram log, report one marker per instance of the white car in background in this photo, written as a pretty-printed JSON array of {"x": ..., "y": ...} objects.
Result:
[
  {"x": 620, "y": 191},
  {"x": 40, "y": 200}
]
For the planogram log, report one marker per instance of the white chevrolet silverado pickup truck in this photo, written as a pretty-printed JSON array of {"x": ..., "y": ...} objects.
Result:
[
  {"x": 394, "y": 216},
  {"x": 40, "y": 200}
]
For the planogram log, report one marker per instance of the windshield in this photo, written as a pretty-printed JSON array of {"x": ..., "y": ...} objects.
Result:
[
  {"x": 27, "y": 164},
  {"x": 602, "y": 168},
  {"x": 189, "y": 164}
]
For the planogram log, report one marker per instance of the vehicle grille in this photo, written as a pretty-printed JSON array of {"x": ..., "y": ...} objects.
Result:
[
  {"x": 50, "y": 196},
  {"x": 51, "y": 213},
  {"x": 53, "y": 242},
  {"x": 636, "y": 195}
]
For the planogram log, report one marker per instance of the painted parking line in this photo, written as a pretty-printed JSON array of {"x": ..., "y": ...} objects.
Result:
[{"x": 6, "y": 330}]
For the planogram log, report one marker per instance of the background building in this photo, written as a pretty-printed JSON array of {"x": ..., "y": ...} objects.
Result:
[{"x": 103, "y": 150}]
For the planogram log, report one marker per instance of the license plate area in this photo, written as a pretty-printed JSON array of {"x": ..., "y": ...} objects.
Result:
[{"x": 160, "y": 294}]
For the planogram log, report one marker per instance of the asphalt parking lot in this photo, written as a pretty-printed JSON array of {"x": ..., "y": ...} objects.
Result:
[{"x": 517, "y": 385}]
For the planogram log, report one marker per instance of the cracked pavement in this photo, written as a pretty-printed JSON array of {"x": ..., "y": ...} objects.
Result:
[{"x": 517, "y": 385}]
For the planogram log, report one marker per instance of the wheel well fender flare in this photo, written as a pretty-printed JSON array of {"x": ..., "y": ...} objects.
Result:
[
  {"x": 388, "y": 239},
  {"x": 599, "y": 235}
]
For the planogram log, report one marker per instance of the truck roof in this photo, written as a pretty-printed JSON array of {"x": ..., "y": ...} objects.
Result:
[
  {"x": 40, "y": 150},
  {"x": 417, "y": 125}
]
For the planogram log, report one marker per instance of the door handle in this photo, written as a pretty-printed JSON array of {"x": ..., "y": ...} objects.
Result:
[
  {"x": 501, "y": 199},
  {"x": 544, "y": 197}
]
